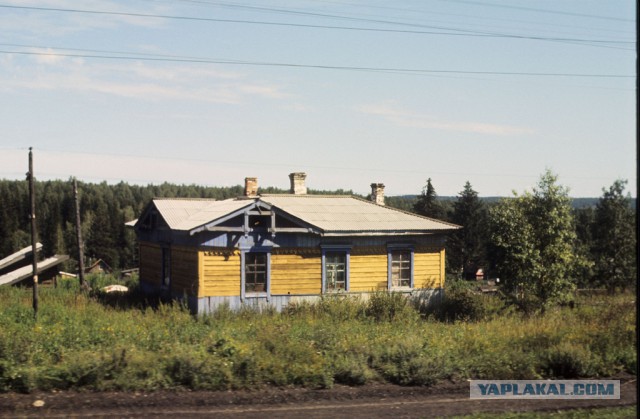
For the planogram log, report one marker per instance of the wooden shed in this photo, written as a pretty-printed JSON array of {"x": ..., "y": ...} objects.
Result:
[{"x": 262, "y": 250}]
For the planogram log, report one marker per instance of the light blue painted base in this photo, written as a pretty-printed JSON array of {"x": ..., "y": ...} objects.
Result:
[{"x": 206, "y": 305}]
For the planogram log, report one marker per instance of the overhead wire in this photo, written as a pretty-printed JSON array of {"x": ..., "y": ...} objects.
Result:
[
  {"x": 100, "y": 54},
  {"x": 283, "y": 164},
  {"x": 414, "y": 11},
  {"x": 448, "y": 31},
  {"x": 368, "y": 20},
  {"x": 538, "y": 10},
  {"x": 312, "y": 66},
  {"x": 325, "y": 15}
]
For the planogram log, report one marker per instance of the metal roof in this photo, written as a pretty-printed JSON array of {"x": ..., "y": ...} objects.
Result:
[
  {"x": 187, "y": 214},
  {"x": 342, "y": 214},
  {"x": 348, "y": 214}
]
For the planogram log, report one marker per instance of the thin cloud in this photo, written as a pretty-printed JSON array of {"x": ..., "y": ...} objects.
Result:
[
  {"x": 406, "y": 119},
  {"x": 262, "y": 90},
  {"x": 52, "y": 23},
  {"x": 134, "y": 80},
  {"x": 297, "y": 107}
]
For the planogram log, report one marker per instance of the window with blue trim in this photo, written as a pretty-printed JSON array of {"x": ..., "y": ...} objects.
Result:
[
  {"x": 255, "y": 272},
  {"x": 335, "y": 268},
  {"x": 400, "y": 266}
]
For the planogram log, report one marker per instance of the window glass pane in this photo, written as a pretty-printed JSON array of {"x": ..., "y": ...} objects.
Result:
[
  {"x": 255, "y": 269},
  {"x": 401, "y": 269},
  {"x": 335, "y": 270}
]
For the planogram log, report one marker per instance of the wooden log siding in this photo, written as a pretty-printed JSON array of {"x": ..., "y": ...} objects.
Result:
[
  {"x": 299, "y": 271},
  {"x": 184, "y": 271},
  {"x": 428, "y": 270},
  {"x": 219, "y": 273},
  {"x": 151, "y": 264},
  {"x": 296, "y": 272},
  {"x": 368, "y": 272}
]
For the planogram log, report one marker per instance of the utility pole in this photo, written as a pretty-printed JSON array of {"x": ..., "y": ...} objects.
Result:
[
  {"x": 83, "y": 283},
  {"x": 34, "y": 233}
]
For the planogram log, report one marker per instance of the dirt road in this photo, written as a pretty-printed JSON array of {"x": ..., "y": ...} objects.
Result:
[{"x": 371, "y": 401}]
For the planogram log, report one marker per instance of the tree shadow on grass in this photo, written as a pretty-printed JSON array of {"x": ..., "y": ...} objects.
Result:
[{"x": 133, "y": 299}]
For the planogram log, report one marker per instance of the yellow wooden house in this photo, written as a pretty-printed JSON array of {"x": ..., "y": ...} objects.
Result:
[{"x": 259, "y": 250}]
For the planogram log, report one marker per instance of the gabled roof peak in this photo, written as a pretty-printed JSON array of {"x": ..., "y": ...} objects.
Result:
[{"x": 329, "y": 214}]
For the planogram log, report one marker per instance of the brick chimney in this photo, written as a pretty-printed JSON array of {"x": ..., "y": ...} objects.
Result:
[
  {"x": 250, "y": 186},
  {"x": 377, "y": 193},
  {"x": 298, "y": 186}
]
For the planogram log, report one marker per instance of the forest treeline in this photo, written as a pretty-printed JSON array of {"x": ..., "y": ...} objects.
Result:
[
  {"x": 599, "y": 241},
  {"x": 104, "y": 210},
  {"x": 540, "y": 243}
]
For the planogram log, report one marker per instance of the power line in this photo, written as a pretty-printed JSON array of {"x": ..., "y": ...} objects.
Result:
[
  {"x": 448, "y": 31},
  {"x": 431, "y": 12},
  {"x": 312, "y": 66},
  {"x": 325, "y": 15},
  {"x": 271, "y": 164},
  {"x": 533, "y": 9},
  {"x": 470, "y": 77},
  {"x": 213, "y": 162},
  {"x": 103, "y": 51},
  {"x": 315, "y": 14}
]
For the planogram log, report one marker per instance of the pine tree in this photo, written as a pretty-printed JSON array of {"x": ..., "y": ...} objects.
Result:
[
  {"x": 466, "y": 247},
  {"x": 428, "y": 204}
]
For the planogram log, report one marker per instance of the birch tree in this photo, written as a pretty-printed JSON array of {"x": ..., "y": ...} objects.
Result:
[{"x": 534, "y": 238}]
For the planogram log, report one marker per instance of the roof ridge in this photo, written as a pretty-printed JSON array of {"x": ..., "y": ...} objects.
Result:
[
  {"x": 290, "y": 195},
  {"x": 160, "y": 198}
]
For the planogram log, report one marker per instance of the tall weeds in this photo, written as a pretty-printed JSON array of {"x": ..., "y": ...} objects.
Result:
[{"x": 84, "y": 341}]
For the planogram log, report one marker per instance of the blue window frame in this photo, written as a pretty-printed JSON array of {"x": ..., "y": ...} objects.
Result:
[
  {"x": 400, "y": 263},
  {"x": 255, "y": 265},
  {"x": 335, "y": 268},
  {"x": 255, "y": 272}
]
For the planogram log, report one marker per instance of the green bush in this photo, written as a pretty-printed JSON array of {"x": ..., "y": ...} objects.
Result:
[
  {"x": 339, "y": 307},
  {"x": 462, "y": 303},
  {"x": 568, "y": 360},
  {"x": 352, "y": 370},
  {"x": 409, "y": 363},
  {"x": 198, "y": 371},
  {"x": 389, "y": 306}
]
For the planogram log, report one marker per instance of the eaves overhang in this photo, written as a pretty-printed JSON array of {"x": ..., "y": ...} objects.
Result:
[
  {"x": 213, "y": 223},
  {"x": 342, "y": 233},
  {"x": 257, "y": 207}
]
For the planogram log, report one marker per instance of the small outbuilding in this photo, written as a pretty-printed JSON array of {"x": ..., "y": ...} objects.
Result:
[
  {"x": 258, "y": 250},
  {"x": 98, "y": 266}
]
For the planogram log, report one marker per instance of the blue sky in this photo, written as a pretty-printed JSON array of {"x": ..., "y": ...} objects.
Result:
[{"x": 351, "y": 92}]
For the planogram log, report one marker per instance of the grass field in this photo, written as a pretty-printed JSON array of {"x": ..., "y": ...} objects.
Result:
[{"x": 88, "y": 341}]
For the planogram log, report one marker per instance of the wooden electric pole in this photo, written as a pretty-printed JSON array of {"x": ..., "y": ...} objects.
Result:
[
  {"x": 83, "y": 283},
  {"x": 34, "y": 233}
]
